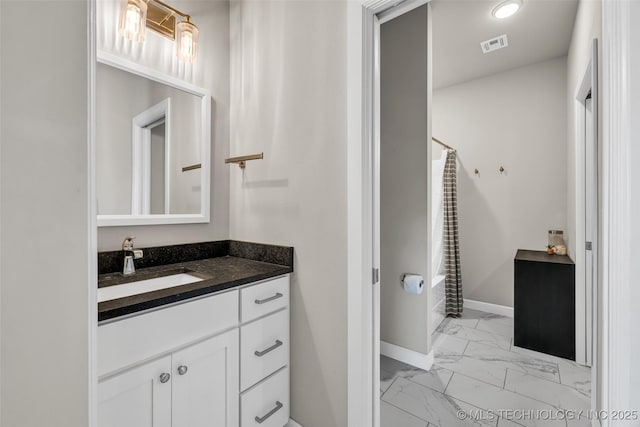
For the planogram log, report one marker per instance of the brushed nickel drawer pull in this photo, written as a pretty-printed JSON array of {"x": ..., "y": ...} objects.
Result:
[
  {"x": 260, "y": 420},
  {"x": 262, "y": 301},
  {"x": 268, "y": 350}
]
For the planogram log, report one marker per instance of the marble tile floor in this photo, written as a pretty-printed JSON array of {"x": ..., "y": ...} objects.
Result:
[{"x": 479, "y": 378}]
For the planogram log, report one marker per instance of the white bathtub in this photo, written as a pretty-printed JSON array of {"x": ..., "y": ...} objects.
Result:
[
  {"x": 437, "y": 281},
  {"x": 438, "y": 307}
]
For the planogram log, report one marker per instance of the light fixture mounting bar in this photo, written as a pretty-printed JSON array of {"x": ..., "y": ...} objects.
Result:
[
  {"x": 161, "y": 18},
  {"x": 172, "y": 9}
]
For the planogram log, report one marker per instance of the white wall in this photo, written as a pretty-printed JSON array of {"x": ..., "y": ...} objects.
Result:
[
  {"x": 634, "y": 395},
  {"x": 44, "y": 211},
  {"x": 211, "y": 71},
  {"x": 404, "y": 171},
  {"x": 288, "y": 91},
  {"x": 515, "y": 119}
]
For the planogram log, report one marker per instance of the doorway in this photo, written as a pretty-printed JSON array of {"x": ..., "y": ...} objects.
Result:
[
  {"x": 151, "y": 142},
  {"x": 501, "y": 370},
  {"x": 401, "y": 189}
]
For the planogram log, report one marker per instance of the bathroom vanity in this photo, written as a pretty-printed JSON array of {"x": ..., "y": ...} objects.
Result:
[
  {"x": 209, "y": 353},
  {"x": 192, "y": 335}
]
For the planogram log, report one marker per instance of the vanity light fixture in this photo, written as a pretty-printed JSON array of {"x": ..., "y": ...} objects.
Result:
[
  {"x": 187, "y": 41},
  {"x": 133, "y": 19},
  {"x": 138, "y": 15},
  {"x": 506, "y": 9}
]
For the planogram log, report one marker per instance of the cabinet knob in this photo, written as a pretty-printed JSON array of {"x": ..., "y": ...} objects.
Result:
[
  {"x": 164, "y": 377},
  {"x": 182, "y": 369}
]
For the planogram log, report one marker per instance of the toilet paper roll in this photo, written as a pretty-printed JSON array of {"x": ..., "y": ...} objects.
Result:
[{"x": 413, "y": 283}]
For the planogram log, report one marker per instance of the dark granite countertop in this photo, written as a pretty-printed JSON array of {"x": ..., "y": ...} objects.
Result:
[
  {"x": 219, "y": 273},
  {"x": 541, "y": 256}
]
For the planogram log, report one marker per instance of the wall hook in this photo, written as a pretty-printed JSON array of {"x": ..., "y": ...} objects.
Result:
[
  {"x": 476, "y": 172},
  {"x": 501, "y": 170}
]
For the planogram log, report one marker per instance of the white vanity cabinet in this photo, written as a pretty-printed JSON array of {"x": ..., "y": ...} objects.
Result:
[
  {"x": 264, "y": 354},
  {"x": 192, "y": 387},
  {"x": 205, "y": 362}
]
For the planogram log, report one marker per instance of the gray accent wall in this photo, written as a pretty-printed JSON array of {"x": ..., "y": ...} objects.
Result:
[
  {"x": 45, "y": 253},
  {"x": 404, "y": 169}
]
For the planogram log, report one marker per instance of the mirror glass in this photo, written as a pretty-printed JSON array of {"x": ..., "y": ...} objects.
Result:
[{"x": 152, "y": 145}]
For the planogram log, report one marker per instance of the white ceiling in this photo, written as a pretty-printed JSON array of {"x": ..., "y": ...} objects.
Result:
[{"x": 541, "y": 30}]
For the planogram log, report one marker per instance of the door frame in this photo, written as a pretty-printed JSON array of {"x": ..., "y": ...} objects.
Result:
[
  {"x": 615, "y": 221},
  {"x": 587, "y": 314},
  {"x": 92, "y": 200},
  {"x": 363, "y": 357},
  {"x": 141, "y": 126}
]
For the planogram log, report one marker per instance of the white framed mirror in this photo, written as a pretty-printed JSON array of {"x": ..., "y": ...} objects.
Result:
[{"x": 153, "y": 145}]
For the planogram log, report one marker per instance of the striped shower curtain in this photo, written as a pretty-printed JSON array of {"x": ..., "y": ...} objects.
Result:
[{"x": 451, "y": 244}]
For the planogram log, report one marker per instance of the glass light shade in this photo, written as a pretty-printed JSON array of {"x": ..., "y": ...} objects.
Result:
[
  {"x": 133, "y": 19},
  {"x": 186, "y": 41},
  {"x": 506, "y": 9}
]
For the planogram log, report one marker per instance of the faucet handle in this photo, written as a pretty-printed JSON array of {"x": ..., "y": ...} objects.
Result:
[
  {"x": 137, "y": 254},
  {"x": 127, "y": 244}
]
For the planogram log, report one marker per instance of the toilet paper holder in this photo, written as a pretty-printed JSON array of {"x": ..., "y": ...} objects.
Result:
[
  {"x": 408, "y": 274},
  {"x": 413, "y": 283}
]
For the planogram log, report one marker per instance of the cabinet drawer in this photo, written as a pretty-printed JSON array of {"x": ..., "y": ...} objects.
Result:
[
  {"x": 264, "y": 347},
  {"x": 267, "y": 405},
  {"x": 264, "y": 298},
  {"x": 126, "y": 342}
]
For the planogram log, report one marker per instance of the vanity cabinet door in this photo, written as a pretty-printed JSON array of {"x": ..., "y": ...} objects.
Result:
[
  {"x": 205, "y": 383},
  {"x": 140, "y": 397}
]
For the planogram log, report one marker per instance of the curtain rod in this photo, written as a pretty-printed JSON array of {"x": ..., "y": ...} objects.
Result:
[{"x": 443, "y": 144}]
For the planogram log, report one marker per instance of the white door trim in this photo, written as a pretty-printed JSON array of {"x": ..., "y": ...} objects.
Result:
[
  {"x": 141, "y": 126},
  {"x": 586, "y": 318},
  {"x": 398, "y": 9},
  {"x": 363, "y": 314},
  {"x": 616, "y": 222},
  {"x": 92, "y": 244}
]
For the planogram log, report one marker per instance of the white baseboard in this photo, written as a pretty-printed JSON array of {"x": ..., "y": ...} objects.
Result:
[
  {"x": 502, "y": 310},
  {"x": 292, "y": 423},
  {"x": 413, "y": 358}
]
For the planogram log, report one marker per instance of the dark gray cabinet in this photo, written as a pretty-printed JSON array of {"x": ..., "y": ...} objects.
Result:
[{"x": 544, "y": 303}]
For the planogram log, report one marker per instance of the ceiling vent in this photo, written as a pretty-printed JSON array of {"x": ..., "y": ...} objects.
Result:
[{"x": 494, "y": 44}]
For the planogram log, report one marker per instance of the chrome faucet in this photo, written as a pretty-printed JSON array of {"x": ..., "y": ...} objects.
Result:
[{"x": 129, "y": 255}]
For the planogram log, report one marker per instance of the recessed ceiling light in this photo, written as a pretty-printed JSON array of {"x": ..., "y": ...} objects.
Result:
[{"x": 506, "y": 8}]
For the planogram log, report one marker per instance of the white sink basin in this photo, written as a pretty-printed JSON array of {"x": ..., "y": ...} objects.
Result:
[{"x": 134, "y": 288}]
